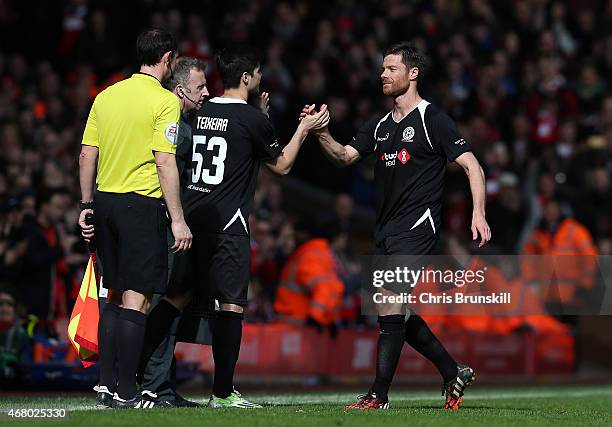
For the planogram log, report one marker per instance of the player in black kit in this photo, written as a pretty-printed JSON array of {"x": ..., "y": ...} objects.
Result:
[
  {"x": 231, "y": 138},
  {"x": 412, "y": 144}
]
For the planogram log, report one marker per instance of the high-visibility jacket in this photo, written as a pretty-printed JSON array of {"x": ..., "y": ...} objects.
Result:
[
  {"x": 309, "y": 285},
  {"x": 524, "y": 308},
  {"x": 570, "y": 262}
]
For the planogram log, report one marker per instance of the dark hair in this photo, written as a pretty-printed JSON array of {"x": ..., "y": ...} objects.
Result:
[
  {"x": 45, "y": 195},
  {"x": 182, "y": 70},
  {"x": 411, "y": 56},
  {"x": 233, "y": 62},
  {"x": 316, "y": 228},
  {"x": 151, "y": 45}
]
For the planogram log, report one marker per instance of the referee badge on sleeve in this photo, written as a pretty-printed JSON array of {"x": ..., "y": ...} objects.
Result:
[{"x": 171, "y": 131}]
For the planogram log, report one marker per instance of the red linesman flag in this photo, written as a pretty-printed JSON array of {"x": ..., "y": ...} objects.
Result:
[{"x": 83, "y": 326}]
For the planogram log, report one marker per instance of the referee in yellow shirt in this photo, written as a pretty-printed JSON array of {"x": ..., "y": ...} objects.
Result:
[{"x": 128, "y": 148}]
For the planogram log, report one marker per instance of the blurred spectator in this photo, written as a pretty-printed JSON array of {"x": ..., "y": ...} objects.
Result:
[
  {"x": 310, "y": 290},
  {"x": 13, "y": 339},
  {"x": 259, "y": 309},
  {"x": 13, "y": 244},
  {"x": 96, "y": 46},
  {"x": 594, "y": 207},
  {"x": 590, "y": 90},
  {"x": 506, "y": 214},
  {"x": 43, "y": 261},
  {"x": 342, "y": 216},
  {"x": 520, "y": 142},
  {"x": 264, "y": 252},
  {"x": 562, "y": 279}
]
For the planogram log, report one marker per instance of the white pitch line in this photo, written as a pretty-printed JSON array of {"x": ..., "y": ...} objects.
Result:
[
  {"x": 342, "y": 398},
  {"x": 399, "y": 397}
]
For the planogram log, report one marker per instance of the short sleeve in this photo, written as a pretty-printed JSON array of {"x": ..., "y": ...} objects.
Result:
[
  {"x": 183, "y": 148},
  {"x": 165, "y": 129},
  {"x": 90, "y": 135},
  {"x": 265, "y": 142},
  {"x": 365, "y": 141},
  {"x": 446, "y": 136}
]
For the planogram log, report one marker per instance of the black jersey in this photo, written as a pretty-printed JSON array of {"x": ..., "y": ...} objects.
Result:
[
  {"x": 411, "y": 158},
  {"x": 230, "y": 140},
  {"x": 183, "y": 151}
]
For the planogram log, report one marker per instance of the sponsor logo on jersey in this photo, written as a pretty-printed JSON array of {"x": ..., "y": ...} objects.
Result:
[
  {"x": 200, "y": 189},
  {"x": 389, "y": 158},
  {"x": 460, "y": 141},
  {"x": 171, "y": 132},
  {"x": 383, "y": 138},
  {"x": 408, "y": 134}
]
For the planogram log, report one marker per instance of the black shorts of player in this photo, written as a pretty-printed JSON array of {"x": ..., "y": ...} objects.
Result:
[
  {"x": 131, "y": 237},
  {"x": 217, "y": 266},
  {"x": 410, "y": 249}
]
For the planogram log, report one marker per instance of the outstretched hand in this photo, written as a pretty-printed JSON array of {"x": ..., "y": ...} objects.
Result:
[
  {"x": 309, "y": 112},
  {"x": 264, "y": 102},
  {"x": 313, "y": 120}
]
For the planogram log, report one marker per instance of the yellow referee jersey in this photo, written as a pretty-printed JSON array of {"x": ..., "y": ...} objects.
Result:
[{"x": 128, "y": 122}]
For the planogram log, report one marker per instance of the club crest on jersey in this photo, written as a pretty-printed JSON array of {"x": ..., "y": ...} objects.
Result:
[{"x": 408, "y": 134}]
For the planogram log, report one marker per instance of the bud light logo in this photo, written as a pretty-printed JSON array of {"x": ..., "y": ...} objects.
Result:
[{"x": 390, "y": 158}]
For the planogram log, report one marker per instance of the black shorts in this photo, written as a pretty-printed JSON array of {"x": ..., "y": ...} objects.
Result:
[
  {"x": 131, "y": 237},
  {"x": 217, "y": 266},
  {"x": 413, "y": 242},
  {"x": 411, "y": 249}
]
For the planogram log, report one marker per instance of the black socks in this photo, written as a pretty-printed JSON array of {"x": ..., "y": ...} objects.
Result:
[
  {"x": 390, "y": 343},
  {"x": 227, "y": 334},
  {"x": 393, "y": 332},
  {"x": 420, "y": 337},
  {"x": 130, "y": 334},
  {"x": 107, "y": 343}
]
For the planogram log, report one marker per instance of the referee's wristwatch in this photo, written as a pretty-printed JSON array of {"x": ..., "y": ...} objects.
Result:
[{"x": 86, "y": 205}]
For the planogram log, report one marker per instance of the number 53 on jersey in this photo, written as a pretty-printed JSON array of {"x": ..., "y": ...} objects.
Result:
[{"x": 202, "y": 148}]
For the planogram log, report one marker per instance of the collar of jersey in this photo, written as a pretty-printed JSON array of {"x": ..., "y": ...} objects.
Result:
[
  {"x": 406, "y": 115},
  {"x": 146, "y": 76},
  {"x": 223, "y": 100}
]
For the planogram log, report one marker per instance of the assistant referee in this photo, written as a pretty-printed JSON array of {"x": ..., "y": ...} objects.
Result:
[{"x": 129, "y": 147}]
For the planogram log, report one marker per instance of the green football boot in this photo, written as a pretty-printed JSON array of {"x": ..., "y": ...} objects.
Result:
[{"x": 234, "y": 400}]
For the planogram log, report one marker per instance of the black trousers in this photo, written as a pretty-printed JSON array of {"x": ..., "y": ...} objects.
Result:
[
  {"x": 194, "y": 325},
  {"x": 160, "y": 372}
]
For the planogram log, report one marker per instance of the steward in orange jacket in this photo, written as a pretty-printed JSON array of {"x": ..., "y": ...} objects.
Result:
[
  {"x": 310, "y": 287},
  {"x": 570, "y": 262}
]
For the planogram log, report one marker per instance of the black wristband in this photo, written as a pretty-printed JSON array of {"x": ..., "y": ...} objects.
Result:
[{"x": 86, "y": 205}]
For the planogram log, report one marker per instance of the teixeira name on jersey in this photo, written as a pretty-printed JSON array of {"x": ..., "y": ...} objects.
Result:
[{"x": 211, "y": 123}]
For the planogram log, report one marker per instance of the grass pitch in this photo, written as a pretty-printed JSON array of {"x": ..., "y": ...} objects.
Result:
[{"x": 542, "y": 406}]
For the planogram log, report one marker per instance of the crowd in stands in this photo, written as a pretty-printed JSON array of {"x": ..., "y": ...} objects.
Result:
[{"x": 526, "y": 81}]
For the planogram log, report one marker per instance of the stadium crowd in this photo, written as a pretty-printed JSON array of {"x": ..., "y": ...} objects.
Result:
[{"x": 525, "y": 80}]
